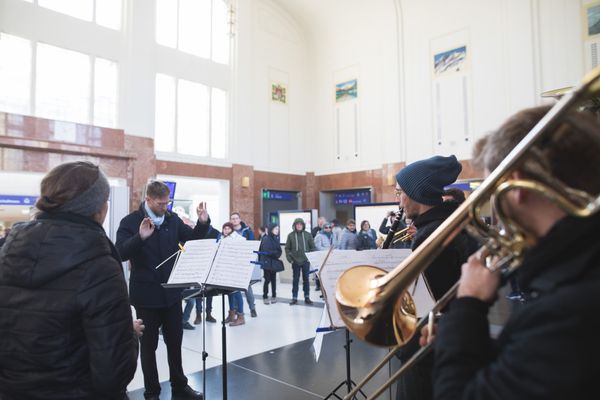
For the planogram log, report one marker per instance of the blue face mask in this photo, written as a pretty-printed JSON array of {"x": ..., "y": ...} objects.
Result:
[{"x": 157, "y": 221}]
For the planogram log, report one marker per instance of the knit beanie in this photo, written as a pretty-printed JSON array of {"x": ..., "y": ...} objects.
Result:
[{"x": 424, "y": 181}]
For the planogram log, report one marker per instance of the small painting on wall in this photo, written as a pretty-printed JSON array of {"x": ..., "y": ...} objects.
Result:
[
  {"x": 450, "y": 61},
  {"x": 279, "y": 93},
  {"x": 346, "y": 91},
  {"x": 592, "y": 19}
]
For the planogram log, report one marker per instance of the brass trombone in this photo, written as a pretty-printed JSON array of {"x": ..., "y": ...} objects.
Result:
[{"x": 377, "y": 307}]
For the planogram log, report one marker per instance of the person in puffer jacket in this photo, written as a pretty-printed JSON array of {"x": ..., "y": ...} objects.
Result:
[
  {"x": 66, "y": 327},
  {"x": 298, "y": 243}
]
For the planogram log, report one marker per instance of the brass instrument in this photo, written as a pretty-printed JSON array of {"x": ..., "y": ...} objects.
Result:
[{"x": 376, "y": 305}]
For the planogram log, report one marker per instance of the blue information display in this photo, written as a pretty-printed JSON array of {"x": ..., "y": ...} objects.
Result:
[
  {"x": 172, "y": 186},
  {"x": 18, "y": 200},
  {"x": 352, "y": 197},
  {"x": 276, "y": 195}
]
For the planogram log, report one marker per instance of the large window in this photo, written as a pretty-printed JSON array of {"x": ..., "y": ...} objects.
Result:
[
  {"x": 107, "y": 13},
  {"x": 61, "y": 84},
  {"x": 198, "y": 27},
  {"x": 190, "y": 118}
]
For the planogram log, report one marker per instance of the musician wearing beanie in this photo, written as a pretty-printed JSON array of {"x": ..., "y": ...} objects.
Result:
[{"x": 419, "y": 189}]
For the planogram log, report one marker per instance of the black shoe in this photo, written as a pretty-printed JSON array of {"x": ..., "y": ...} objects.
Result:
[
  {"x": 187, "y": 325},
  {"x": 253, "y": 313},
  {"x": 186, "y": 393},
  {"x": 210, "y": 318},
  {"x": 293, "y": 302},
  {"x": 308, "y": 301}
]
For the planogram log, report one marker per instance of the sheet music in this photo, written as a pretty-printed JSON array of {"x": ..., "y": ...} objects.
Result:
[
  {"x": 193, "y": 264},
  {"x": 341, "y": 260},
  {"x": 315, "y": 258},
  {"x": 233, "y": 264}
]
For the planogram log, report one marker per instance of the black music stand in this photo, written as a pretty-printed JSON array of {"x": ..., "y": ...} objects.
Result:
[{"x": 348, "y": 382}]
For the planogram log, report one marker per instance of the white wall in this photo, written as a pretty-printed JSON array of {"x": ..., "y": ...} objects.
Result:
[{"x": 271, "y": 48}]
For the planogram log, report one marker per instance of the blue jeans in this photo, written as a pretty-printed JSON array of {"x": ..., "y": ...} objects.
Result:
[
  {"x": 189, "y": 304},
  {"x": 250, "y": 298},
  {"x": 296, "y": 269},
  {"x": 236, "y": 302}
]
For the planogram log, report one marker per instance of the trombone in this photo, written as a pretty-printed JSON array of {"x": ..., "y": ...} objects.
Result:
[{"x": 376, "y": 305}]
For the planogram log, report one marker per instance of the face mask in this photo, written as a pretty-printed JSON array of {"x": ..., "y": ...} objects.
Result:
[{"x": 157, "y": 221}]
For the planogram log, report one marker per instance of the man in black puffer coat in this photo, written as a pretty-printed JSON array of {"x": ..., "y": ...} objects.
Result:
[
  {"x": 65, "y": 320},
  {"x": 420, "y": 187}
]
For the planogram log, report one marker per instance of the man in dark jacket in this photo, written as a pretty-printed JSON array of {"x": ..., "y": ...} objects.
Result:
[
  {"x": 298, "y": 243},
  {"x": 245, "y": 231},
  {"x": 147, "y": 237},
  {"x": 419, "y": 188},
  {"x": 549, "y": 347}
]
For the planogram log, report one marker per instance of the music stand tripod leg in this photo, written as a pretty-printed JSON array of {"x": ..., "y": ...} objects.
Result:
[
  {"x": 224, "y": 346},
  {"x": 348, "y": 382},
  {"x": 204, "y": 353}
]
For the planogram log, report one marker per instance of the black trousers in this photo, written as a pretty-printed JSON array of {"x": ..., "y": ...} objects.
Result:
[
  {"x": 270, "y": 277},
  {"x": 170, "y": 320},
  {"x": 417, "y": 382}
]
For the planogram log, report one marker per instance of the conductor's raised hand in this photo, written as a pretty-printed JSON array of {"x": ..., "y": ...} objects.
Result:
[
  {"x": 146, "y": 228},
  {"x": 202, "y": 212}
]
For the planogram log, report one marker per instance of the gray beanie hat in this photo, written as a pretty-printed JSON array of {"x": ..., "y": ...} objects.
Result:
[
  {"x": 91, "y": 200},
  {"x": 424, "y": 180}
]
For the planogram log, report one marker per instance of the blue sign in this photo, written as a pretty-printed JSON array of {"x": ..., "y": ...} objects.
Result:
[
  {"x": 18, "y": 200},
  {"x": 274, "y": 195},
  {"x": 352, "y": 197},
  {"x": 171, "y": 186}
]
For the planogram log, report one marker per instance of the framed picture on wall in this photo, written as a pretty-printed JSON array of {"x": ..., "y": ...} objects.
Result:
[
  {"x": 279, "y": 93},
  {"x": 346, "y": 91},
  {"x": 450, "y": 61},
  {"x": 591, "y": 20}
]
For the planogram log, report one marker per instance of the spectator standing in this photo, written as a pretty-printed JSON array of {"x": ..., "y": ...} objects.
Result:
[
  {"x": 246, "y": 232},
  {"x": 298, "y": 243},
  {"x": 336, "y": 230},
  {"x": 270, "y": 249},
  {"x": 324, "y": 238},
  {"x": 316, "y": 229},
  {"x": 367, "y": 237},
  {"x": 236, "y": 301},
  {"x": 349, "y": 241}
]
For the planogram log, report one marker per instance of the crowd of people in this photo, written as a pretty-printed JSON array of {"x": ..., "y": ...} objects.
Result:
[{"x": 67, "y": 330}]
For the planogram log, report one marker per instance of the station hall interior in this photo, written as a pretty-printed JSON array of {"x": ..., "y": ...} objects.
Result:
[{"x": 267, "y": 106}]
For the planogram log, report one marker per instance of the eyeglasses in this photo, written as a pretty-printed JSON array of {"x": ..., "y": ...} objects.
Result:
[{"x": 398, "y": 192}]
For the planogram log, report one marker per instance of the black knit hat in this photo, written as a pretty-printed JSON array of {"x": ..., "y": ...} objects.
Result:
[{"x": 424, "y": 180}]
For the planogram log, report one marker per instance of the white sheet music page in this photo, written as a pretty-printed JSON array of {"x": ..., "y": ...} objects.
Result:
[
  {"x": 194, "y": 262},
  {"x": 341, "y": 260},
  {"x": 233, "y": 264},
  {"x": 315, "y": 258}
]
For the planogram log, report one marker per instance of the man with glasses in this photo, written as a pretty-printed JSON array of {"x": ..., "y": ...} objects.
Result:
[
  {"x": 146, "y": 238},
  {"x": 419, "y": 189}
]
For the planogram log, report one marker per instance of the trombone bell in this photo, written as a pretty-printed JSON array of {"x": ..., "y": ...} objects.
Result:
[{"x": 357, "y": 298}]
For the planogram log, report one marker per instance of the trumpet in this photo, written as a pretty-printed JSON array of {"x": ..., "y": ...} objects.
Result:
[{"x": 376, "y": 305}]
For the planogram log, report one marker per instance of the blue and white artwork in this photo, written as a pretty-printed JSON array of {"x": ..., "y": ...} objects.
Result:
[
  {"x": 593, "y": 20},
  {"x": 450, "y": 61},
  {"x": 346, "y": 91}
]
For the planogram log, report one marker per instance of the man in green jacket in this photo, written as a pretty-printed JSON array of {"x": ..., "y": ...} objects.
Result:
[{"x": 298, "y": 243}]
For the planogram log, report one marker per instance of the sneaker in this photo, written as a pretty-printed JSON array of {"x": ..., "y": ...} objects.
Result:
[
  {"x": 273, "y": 300},
  {"x": 187, "y": 325},
  {"x": 253, "y": 313},
  {"x": 266, "y": 301},
  {"x": 308, "y": 301},
  {"x": 293, "y": 302}
]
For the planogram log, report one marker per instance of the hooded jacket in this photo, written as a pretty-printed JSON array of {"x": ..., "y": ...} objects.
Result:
[
  {"x": 298, "y": 244},
  {"x": 66, "y": 328},
  {"x": 271, "y": 249}
]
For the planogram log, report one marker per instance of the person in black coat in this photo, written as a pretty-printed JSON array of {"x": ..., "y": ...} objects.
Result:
[
  {"x": 146, "y": 238},
  {"x": 549, "y": 347},
  {"x": 66, "y": 327},
  {"x": 270, "y": 253},
  {"x": 419, "y": 188}
]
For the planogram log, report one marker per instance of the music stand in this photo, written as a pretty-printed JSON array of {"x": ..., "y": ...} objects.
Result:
[{"x": 348, "y": 382}]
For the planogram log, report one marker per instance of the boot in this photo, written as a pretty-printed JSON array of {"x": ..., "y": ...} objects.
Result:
[
  {"x": 210, "y": 318},
  {"x": 198, "y": 319},
  {"x": 230, "y": 317},
  {"x": 238, "y": 321}
]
